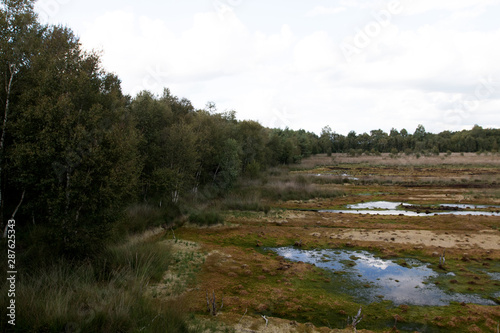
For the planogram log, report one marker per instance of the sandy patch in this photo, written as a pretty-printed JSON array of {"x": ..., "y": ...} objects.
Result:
[
  {"x": 486, "y": 239},
  {"x": 291, "y": 214}
]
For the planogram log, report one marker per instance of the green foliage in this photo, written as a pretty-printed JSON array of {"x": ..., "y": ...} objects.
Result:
[
  {"x": 229, "y": 165},
  {"x": 206, "y": 218},
  {"x": 139, "y": 217},
  {"x": 71, "y": 146},
  {"x": 253, "y": 169},
  {"x": 474, "y": 140}
]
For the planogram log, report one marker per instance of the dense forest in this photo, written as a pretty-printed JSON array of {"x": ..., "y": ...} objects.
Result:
[{"x": 75, "y": 151}]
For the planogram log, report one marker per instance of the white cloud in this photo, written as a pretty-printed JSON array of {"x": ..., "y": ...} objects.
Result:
[
  {"x": 422, "y": 6},
  {"x": 315, "y": 52},
  {"x": 267, "y": 47},
  {"x": 428, "y": 59},
  {"x": 288, "y": 75},
  {"x": 356, "y": 3},
  {"x": 131, "y": 44},
  {"x": 322, "y": 10}
]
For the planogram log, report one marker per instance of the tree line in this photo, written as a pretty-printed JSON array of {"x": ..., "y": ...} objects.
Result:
[
  {"x": 75, "y": 151},
  {"x": 476, "y": 140}
]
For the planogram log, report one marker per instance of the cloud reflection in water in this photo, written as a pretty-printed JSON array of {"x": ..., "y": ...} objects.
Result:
[{"x": 401, "y": 285}]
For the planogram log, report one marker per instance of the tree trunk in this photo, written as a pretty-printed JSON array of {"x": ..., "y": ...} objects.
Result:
[
  {"x": 14, "y": 214},
  {"x": 216, "y": 172},
  {"x": 13, "y": 69}
]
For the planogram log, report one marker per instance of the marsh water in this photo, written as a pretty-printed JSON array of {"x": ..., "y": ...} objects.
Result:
[
  {"x": 368, "y": 278},
  {"x": 397, "y": 208}
]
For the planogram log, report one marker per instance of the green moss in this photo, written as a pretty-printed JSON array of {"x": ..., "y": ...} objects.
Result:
[{"x": 469, "y": 277}]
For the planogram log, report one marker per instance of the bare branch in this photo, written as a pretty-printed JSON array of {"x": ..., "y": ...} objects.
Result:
[
  {"x": 265, "y": 320},
  {"x": 208, "y": 304},
  {"x": 18, "y": 205},
  {"x": 14, "y": 213},
  {"x": 214, "y": 305},
  {"x": 442, "y": 259},
  {"x": 13, "y": 70},
  {"x": 243, "y": 315},
  {"x": 356, "y": 319}
]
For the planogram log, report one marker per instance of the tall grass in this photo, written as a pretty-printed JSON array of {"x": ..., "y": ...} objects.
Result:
[
  {"x": 385, "y": 159},
  {"x": 257, "y": 195},
  {"x": 139, "y": 217},
  {"x": 299, "y": 188},
  {"x": 106, "y": 295},
  {"x": 206, "y": 218},
  {"x": 249, "y": 201}
]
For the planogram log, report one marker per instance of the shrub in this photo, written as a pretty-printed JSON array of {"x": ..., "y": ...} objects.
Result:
[
  {"x": 139, "y": 217},
  {"x": 253, "y": 169},
  {"x": 435, "y": 150},
  {"x": 206, "y": 218},
  {"x": 245, "y": 202}
]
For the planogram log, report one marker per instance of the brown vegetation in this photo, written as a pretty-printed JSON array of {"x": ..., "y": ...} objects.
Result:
[{"x": 256, "y": 284}]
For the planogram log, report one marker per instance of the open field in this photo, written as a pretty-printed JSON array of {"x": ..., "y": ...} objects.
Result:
[{"x": 250, "y": 280}]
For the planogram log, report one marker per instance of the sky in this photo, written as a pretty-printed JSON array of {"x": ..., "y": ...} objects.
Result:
[{"x": 350, "y": 64}]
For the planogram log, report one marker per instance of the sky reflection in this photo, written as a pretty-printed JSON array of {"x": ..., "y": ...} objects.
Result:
[
  {"x": 377, "y": 278},
  {"x": 391, "y": 208}
]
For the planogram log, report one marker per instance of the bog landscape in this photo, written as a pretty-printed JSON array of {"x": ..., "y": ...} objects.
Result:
[
  {"x": 411, "y": 242},
  {"x": 145, "y": 214}
]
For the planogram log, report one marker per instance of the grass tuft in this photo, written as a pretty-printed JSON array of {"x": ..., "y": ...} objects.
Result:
[
  {"x": 106, "y": 295},
  {"x": 206, "y": 218}
]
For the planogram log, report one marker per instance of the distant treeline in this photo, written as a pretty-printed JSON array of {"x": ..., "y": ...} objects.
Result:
[
  {"x": 75, "y": 150},
  {"x": 476, "y": 140}
]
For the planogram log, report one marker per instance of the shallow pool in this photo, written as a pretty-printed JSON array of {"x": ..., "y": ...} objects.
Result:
[
  {"x": 393, "y": 208},
  {"x": 369, "y": 279}
]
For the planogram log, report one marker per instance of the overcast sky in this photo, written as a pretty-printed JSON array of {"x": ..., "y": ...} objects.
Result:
[{"x": 350, "y": 64}]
